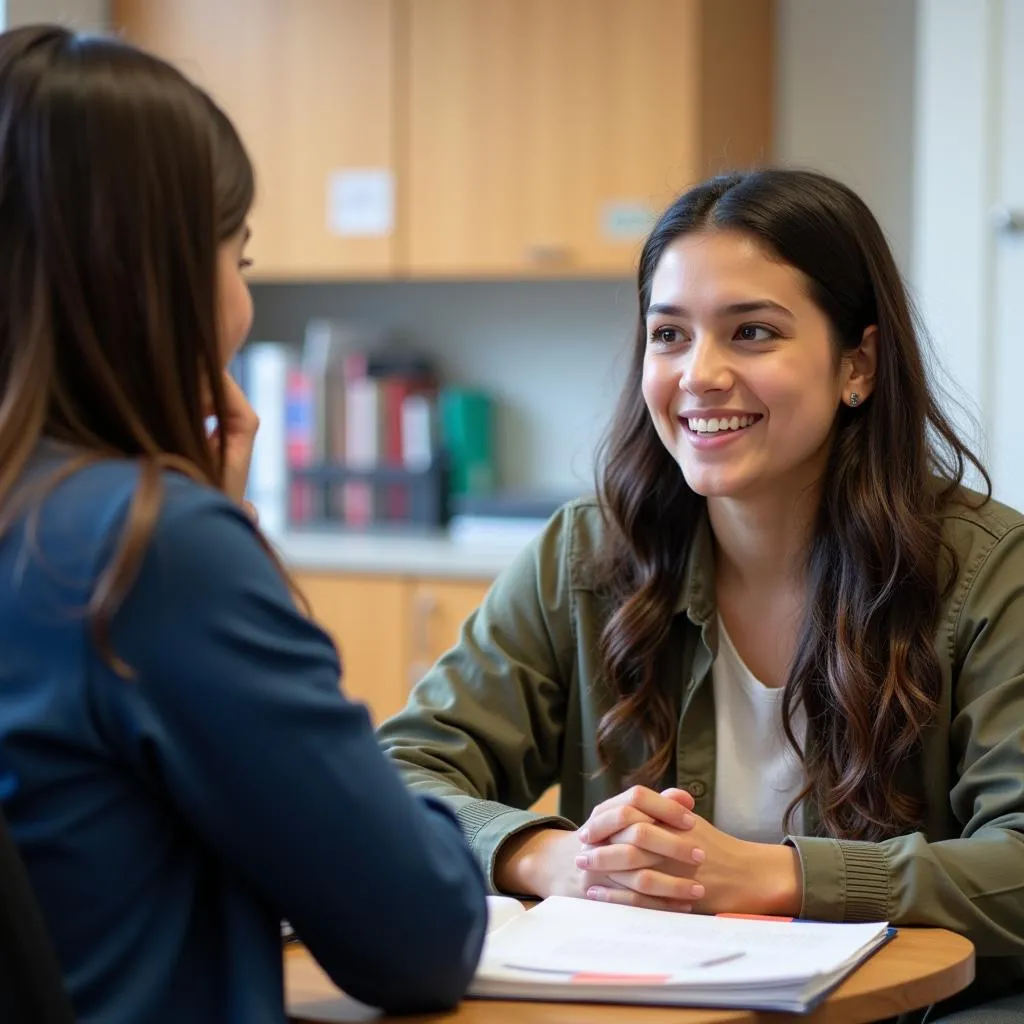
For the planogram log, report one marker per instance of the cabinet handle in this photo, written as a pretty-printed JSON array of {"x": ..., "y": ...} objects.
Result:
[
  {"x": 547, "y": 254},
  {"x": 423, "y": 607}
]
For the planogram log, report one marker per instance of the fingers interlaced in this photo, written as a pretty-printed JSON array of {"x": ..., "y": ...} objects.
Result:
[
  {"x": 648, "y": 882},
  {"x": 635, "y": 806},
  {"x": 631, "y": 898},
  {"x": 654, "y": 805},
  {"x": 657, "y": 841}
]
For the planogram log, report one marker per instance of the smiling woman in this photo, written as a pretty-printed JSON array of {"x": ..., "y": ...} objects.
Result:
[
  {"x": 741, "y": 375},
  {"x": 775, "y": 664}
]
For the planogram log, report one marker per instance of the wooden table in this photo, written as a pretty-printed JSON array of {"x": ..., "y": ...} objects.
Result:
[{"x": 919, "y": 967}]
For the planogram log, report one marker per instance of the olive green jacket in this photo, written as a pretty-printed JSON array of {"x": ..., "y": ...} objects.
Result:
[{"x": 512, "y": 709}]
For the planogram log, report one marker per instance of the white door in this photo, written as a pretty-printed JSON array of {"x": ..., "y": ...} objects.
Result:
[
  {"x": 968, "y": 260},
  {"x": 1007, "y": 227}
]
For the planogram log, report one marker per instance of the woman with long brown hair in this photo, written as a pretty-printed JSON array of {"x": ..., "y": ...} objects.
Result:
[
  {"x": 777, "y": 665},
  {"x": 178, "y": 766}
]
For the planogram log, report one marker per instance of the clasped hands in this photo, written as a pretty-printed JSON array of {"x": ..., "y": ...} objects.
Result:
[
  {"x": 644, "y": 849},
  {"x": 649, "y": 849}
]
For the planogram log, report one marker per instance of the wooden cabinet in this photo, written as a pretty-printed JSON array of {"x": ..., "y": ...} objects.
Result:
[
  {"x": 310, "y": 86},
  {"x": 368, "y": 619},
  {"x": 527, "y": 138},
  {"x": 543, "y": 135},
  {"x": 438, "y": 608},
  {"x": 390, "y": 630}
]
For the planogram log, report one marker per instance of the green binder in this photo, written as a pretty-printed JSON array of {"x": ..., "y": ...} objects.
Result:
[{"x": 467, "y": 435}]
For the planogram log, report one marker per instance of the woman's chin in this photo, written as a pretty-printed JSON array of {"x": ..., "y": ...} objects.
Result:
[{"x": 714, "y": 484}]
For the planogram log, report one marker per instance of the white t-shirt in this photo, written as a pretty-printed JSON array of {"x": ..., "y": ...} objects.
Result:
[{"x": 757, "y": 772}]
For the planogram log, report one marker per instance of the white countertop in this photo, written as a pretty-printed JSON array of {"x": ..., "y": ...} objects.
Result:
[{"x": 395, "y": 555}]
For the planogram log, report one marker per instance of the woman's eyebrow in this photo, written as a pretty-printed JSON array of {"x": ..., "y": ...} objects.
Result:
[{"x": 732, "y": 309}]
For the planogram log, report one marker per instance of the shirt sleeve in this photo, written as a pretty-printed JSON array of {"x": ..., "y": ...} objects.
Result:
[
  {"x": 235, "y": 714},
  {"x": 483, "y": 729},
  {"x": 972, "y": 884}
]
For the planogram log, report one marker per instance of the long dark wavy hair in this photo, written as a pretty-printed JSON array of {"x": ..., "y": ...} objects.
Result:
[
  {"x": 119, "y": 179},
  {"x": 865, "y": 670}
]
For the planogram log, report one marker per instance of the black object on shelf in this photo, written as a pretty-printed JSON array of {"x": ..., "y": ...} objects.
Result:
[
  {"x": 422, "y": 494},
  {"x": 510, "y": 504}
]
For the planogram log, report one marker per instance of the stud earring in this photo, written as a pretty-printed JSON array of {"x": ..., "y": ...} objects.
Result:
[{"x": 854, "y": 399}]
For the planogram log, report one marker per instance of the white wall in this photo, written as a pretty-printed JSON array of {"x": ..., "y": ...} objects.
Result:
[
  {"x": 551, "y": 353},
  {"x": 86, "y": 15},
  {"x": 845, "y": 102},
  {"x": 969, "y": 161},
  {"x": 952, "y": 262}
]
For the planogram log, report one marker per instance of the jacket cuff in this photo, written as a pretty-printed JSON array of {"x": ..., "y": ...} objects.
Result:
[
  {"x": 844, "y": 880},
  {"x": 487, "y": 825}
]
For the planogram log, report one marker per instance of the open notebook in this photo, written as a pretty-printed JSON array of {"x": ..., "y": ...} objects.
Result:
[
  {"x": 580, "y": 951},
  {"x": 577, "y": 951}
]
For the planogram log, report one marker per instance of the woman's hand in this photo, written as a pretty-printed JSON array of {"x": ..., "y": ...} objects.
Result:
[
  {"x": 545, "y": 861},
  {"x": 721, "y": 873},
  {"x": 542, "y": 862},
  {"x": 239, "y": 427},
  {"x": 645, "y": 844}
]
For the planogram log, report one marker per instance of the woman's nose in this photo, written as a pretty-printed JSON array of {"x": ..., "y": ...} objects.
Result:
[{"x": 706, "y": 368}]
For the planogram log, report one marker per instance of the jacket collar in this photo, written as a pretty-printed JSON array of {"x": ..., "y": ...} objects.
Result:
[{"x": 697, "y": 592}]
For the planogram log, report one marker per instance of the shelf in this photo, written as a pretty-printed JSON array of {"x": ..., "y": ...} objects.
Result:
[{"x": 430, "y": 553}]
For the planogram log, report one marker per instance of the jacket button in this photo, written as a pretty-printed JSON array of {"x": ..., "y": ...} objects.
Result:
[{"x": 696, "y": 788}]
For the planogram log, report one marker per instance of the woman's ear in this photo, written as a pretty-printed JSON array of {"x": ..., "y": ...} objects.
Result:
[{"x": 860, "y": 366}]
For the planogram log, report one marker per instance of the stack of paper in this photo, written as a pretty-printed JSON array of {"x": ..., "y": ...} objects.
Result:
[{"x": 581, "y": 951}]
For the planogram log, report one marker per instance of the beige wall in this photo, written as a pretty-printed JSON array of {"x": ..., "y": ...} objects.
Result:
[
  {"x": 88, "y": 15},
  {"x": 845, "y": 104}
]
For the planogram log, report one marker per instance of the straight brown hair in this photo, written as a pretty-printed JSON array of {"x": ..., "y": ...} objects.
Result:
[{"x": 119, "y": 179}]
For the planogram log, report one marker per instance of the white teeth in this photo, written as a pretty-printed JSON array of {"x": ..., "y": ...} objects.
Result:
[{"x": 715, "y": 424}]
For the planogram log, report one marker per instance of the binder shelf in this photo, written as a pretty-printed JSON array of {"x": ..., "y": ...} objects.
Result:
[{"x": 340, "y": 496}]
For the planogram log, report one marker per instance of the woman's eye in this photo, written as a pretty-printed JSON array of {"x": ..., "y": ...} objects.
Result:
[
  {"x": 665, "y": 335},
  {"x": 755, "y": 332}
]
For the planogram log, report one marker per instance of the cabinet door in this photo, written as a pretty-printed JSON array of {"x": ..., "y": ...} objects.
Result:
[
  {"x": 308, "y": 83},
  {"x": 544, "y": 134},
  {"x": 438, "y": 609},
  {"x": 367, "y": 617}
]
